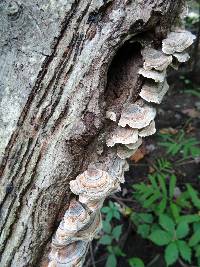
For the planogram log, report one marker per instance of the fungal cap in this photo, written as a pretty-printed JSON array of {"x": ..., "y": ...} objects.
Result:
[
  {"x": 122, "y": 136},
  {"x": 148, "y": 130},
  {"x": 68, "y": 255},
  {"x": 153, "y": 92},
  {"x": 157, "y": 76},
  {"x": 76, "y": 217},
  {"x": 117, "y": 169},
  {"x": 155, "y": 59},
  {"x": 93, "y": 184},
  {"x": 177, "y": 41},
  {"x": 135, "y": 145},
  {"x": 111, "y": 115},
  {"x": 182, "y": 57},
  {"x": 92, "y": 205},
  {"x": 63, "y": 238},
  {"x": 124, "y": 152},
  {"x": 137, "y": 115}
]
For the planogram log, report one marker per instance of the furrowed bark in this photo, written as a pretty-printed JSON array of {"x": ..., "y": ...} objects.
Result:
[{"x": 55, "y": 90}]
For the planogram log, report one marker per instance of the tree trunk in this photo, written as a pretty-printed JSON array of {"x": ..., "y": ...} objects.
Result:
[{"x": 63, "y": 64}]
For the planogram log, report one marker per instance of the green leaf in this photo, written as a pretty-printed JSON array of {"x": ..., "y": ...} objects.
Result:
[
  {"x": 171, "y": 253},
  {"x": 146, "y": 217},
  {"x": 182, "y": 230},
  {"x": 175, "y": 211},
  {"x": 111, "y": 204},
  {"x": 135, "y": 262},
  {"x": 109, "y": 216},
  {"x": 160, "y": 208},
  {"x": 172, "y": 184},
  {"x": 116, "y": 214},
  {"x": 118, "y": 252},
  {"x": 167, "y": 223},
  {"x": 197, "y": 251},
  {"x": 194, "y": 196},
  {"x": 105, "y": 209},
  {"x": 143, "y": 230},
  {"x": 195, "y": 238},
  {"x": 105, "y": 240},
  {"x": 111, "y": 261},
  {"x": 189, "y": 218},
  {"x": 147, "y": 203},
  {"x": 160, "y": 237},
  {"x": 116, "y": 232},
  {"x": 107, "y": 227},
  {"x": 185, "y": 250}
]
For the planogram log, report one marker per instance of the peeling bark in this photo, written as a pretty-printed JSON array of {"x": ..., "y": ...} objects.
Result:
[{"x": 63, "y": 65}]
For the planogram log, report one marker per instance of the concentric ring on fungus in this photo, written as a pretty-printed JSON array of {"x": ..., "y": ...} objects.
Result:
[
  {"x": 71, "y": 254},
  {"x": 137, "y": 115},
  {"x": 177, "y": 41},
  {"x": 87, "y": 233},
  {"x": 76, "y": 217},
  {"x": 93, "y": 184},
  {"x": 122, "y": 136}
]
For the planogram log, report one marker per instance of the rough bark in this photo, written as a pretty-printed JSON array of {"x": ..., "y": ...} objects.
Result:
[{"x": 55, "y": 88}]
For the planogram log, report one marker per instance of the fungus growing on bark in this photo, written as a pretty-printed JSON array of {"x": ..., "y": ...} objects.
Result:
[
  {"x": 124, "y": 152},
  {"x": 111, "y": 115},
  {"x": 70, "y": 256},
  {"x": 177, "y": 41},
  {"x": 122, "y": 136},
  {"x": 82, "y": 222},
  {"x": 148, "y": 130},
  {"x": 76, "y": 217},
  {"x": 154, "y": 92},
  {"x": 87, "y": 233},
  {"x": 135, "y": 145},
  {"x": 157, "y": 76},
  {"x": 155, "y": 59},
  {"x": 182, "y": 57},
  {"x": 117, "y": 169},
  {"x": 137, "y": 115},
  {"x": 93, "y": 184}
]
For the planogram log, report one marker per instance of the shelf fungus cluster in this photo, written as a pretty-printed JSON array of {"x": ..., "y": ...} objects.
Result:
[{"x": 82, "y": 221}]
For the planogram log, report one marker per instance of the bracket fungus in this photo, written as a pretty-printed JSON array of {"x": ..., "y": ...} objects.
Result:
[
  {"x": 157, "y": 76},
  {"x": 117, "y": 169},
  {"x": 87, "y": 233},
  {"x": 76, "y": 217},
  {"x": 177, "y": 41},
  {"x": 154, "y": 92},
  {"x": 181, "y": 57},
  {"x": 155, "y": 59},
  {"x": 82, "y": 220},
  {"x": 122, "y": 136},
  {"x": 93, "y": 184},
  {"x": 148, "y": 130},
  {"x": 124, "y": 152},
  {"x": 70, "y": 256},
  {"x": 137, "y": 115},
  {"x": 111, "y": 115},
  {"x": 135, "y": 145}
]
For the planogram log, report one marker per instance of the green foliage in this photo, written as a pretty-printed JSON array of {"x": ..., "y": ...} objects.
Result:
[
  {"x": 111, "y": 234},
  {"x": 135, "y": 262},
  {"x": 180, "y": 144},
  {"x": 111, "y": 211},
  {"x": 169, "y": 221}
]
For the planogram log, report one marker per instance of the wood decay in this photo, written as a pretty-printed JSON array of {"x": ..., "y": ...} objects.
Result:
[{"x": 82, "y": 220}]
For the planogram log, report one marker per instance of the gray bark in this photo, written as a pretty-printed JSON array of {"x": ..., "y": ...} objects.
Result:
[{"x": 54, "y": 90}]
